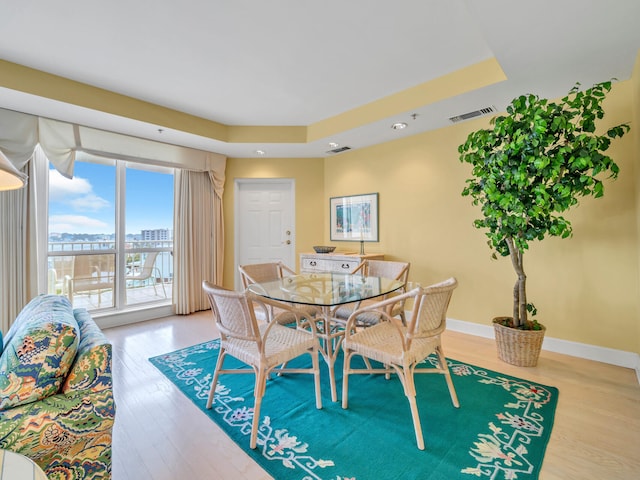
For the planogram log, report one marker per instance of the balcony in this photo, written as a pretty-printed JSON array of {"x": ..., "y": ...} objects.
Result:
[{"x": 87, "y": 273}]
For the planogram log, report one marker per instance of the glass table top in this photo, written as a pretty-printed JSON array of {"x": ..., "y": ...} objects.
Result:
[{"x": 325, "y": 289}]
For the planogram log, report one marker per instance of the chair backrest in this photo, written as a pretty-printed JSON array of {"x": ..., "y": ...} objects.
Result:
[
  {"x": 384, "y": 268},
  {"x": 147, "y": 266},
  {"x": 98, "y": 268},
  {"x": 263, "y": 272},
  {"x": 232, "y": 312},
  {"x": 388, "y": 269},
  {"x": 84, "y": 266},
  {"x": 429, "y": 313}
]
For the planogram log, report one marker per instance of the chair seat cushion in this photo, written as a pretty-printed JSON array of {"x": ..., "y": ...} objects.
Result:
[
  {"x": 282, "y": 344},
  {"x": 366, "y": 319},
  {"x": 384, "y": 343},
  {"x": 285, "y": 317},
  {"x": 39, "y": 349}
]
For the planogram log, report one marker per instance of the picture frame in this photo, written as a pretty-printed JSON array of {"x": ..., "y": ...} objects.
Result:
[{"x": 354, "y": 218}]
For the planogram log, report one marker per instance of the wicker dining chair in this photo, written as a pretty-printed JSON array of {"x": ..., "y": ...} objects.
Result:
[
  {"x": 401, "y": 348},
  {"x": 91, "y": 273},
  {"x": 149, "y": 271},
  {"x": 377, "y": 268},
  {"x": 265, "y": 272},
  {"x": 261, "y": 346}
]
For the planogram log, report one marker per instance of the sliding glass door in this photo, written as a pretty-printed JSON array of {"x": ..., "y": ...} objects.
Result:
[{"x": 110, "y": 234}]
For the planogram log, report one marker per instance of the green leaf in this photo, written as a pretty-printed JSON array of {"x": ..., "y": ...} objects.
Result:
[{"x": 598, "y": 189}]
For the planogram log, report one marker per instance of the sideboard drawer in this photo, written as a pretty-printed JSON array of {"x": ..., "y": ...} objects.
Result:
[
  {"x": 312, "y": 264},
  {"x": 344, "y": 266},
  {"x": 334, "y": 262}
]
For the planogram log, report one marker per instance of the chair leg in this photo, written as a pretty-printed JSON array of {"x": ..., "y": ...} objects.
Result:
[
  {"x": 316, "y": 377},
  {"x": 261, "y": 381},
  {"x": 416, "y": 421},
  {"x": 216, "y": 374},
  {"x": 367, "y": 363},
  {"x": 161, "y": 282},
  {"x": 447, "y": 376},
  {"x": 410, "y": 392},
  {"x": 282, "y": 367},
  {"x": 345, "y": 378}
]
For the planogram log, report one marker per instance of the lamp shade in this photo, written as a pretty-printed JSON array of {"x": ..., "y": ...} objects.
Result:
[{"x": 10, "y": 177}]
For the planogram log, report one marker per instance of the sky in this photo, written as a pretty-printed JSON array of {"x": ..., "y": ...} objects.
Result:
[{"x": 87, "y": 203}]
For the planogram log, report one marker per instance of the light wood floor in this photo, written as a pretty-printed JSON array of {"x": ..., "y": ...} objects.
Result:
[{"x": 161, "y": 435}]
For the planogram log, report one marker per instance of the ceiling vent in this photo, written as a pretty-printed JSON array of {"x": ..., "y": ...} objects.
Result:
[
  {"x": 475, "y": 113},
  {"x": 339, "y": 150}
]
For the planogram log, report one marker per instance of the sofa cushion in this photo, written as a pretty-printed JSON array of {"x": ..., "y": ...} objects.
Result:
[{"x": 39, "y": 349}]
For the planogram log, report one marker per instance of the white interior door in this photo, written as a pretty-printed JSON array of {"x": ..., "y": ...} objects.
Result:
[{"x": 265, "y": 222}]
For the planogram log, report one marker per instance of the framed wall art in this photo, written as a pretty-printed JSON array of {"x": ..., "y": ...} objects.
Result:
[{"x": 354, "y": 218}]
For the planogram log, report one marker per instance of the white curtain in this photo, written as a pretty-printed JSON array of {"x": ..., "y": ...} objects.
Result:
[
  {"x": 217, "y": 177},
  {"x": 24, "y": 137},
  {"x": 20, "y": 133},
  {"x": 13, "y": 243},
  {"x": 19, "y": 239},
  {"x": 198, "y": 234}
]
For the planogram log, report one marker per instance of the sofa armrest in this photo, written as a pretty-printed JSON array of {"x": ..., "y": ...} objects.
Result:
[{"x": 91, "y": 370}]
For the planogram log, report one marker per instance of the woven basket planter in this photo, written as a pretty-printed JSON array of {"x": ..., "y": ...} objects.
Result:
[{"x": 518, "y": 347}]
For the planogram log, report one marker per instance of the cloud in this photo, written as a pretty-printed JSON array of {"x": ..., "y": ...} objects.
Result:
[
  {"x": 91, "y": 202},
  {"x": 61, "y": 187},
  {"x": 76, "y": 224},
  {"x": 76, "y": 192}
]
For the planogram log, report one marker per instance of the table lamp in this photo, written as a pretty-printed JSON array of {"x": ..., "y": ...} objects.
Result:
[{"x": 10, "y": 177}]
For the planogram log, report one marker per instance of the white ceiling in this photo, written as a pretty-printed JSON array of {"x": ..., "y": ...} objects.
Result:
[{"x": 296, "y": 62}]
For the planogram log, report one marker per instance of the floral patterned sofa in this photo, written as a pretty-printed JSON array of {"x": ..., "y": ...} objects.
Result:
[{"x": 56, "y": 391}]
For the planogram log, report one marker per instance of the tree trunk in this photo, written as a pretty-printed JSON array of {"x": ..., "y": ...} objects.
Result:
[{"x": 520, "y": 287}]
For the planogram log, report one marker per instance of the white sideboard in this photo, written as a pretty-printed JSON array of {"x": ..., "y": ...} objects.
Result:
[{"x": 334, "y": 262}]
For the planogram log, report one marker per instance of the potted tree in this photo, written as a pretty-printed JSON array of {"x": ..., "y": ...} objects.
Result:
[{"x": 530, "y": 167}]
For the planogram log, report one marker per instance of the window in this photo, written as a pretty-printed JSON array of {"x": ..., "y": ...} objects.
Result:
[{"x": 111, "y": 234}]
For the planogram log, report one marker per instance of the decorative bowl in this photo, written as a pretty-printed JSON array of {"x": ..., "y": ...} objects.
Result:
[{"x": 324, "y": 249}]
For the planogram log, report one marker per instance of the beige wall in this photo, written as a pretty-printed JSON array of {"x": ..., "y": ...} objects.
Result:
[
  {"x": 586, "y": 287},
  {"x": 635, "y": 131}
]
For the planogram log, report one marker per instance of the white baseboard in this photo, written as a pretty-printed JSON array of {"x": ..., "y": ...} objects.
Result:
[
  {"x": 575, "y": 349},
  {"x": 133, "y": 315}
]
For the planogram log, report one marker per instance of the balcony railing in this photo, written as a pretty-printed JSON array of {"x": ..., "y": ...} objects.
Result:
[{"x": 86, "y": 272}]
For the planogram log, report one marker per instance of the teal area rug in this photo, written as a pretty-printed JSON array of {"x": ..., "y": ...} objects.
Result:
[{"x": 500, "y": 431}]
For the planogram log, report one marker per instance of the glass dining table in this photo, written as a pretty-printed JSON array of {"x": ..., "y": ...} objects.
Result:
[{"x": 326, "y": 291}]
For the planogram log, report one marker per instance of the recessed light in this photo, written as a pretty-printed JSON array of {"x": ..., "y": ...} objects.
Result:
[
  {"x": 399, "y": 126},
  {"x": 260, "y": 152},
  {"x": 334, "y": 144}
]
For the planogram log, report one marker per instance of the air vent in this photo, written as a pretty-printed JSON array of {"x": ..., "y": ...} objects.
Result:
[
  {"x": 475, "y": 113},
  {"x": 339, "y": 150}
]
